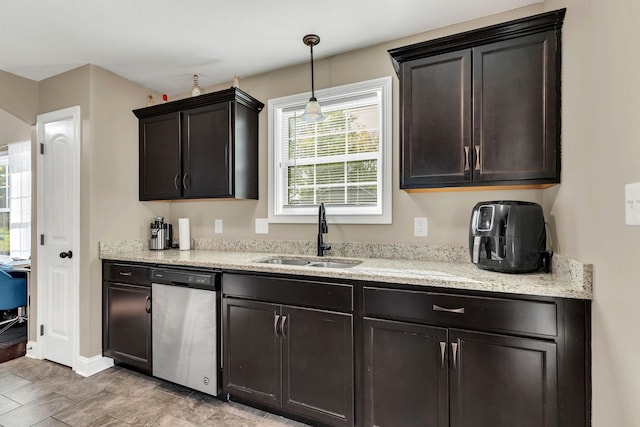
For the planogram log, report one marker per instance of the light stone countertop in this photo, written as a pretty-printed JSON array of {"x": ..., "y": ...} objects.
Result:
[{"x": 569, "y": 278}]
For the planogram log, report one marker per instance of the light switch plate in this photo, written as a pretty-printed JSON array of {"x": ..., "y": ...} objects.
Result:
[
  {"x": 262, "y": 226},
  {"x": 420, "y": 227},
  {"x": 218, "y": 226},
  {"x": 632, "y": 203}
]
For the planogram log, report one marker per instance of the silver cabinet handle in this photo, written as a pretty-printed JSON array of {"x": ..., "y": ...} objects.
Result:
[
  {"x": 282, "y": 327},
  {"x": 276, "y": 319},
  {"x": 454, "y": 351},
  {"x": 185, "y": 180},
  {"x": 147, "y": 304},
  {"x": 466, "y": 157},
  {"x": 175, "y": 181},
  {"x": 123, "y": 273},
  {"x": 443, "y": 348},
  {"x": 477, "y": 147},
  {"x": 448, "y": 310}
]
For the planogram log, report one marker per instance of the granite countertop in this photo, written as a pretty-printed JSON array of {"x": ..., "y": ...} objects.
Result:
[{"x": 569, "y": 279}]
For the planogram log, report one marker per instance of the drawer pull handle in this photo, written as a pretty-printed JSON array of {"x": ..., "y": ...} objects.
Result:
[
  {"x": 454, "y": 351},
  {"x": 448, "y": 310},
  {"x": 147, "y": 304},
  {"x": 443, "y": 351},
  {"x": 125, "y": 273}
]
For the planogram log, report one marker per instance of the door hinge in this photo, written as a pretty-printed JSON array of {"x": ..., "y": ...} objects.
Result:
[
  {"x": 41, "y": 330},
  {"x": 41, "y": 148},
  {"x": 42, "y": 239}
]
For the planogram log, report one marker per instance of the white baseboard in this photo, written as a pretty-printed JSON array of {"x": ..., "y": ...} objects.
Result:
[
  {"x": 87, "y": 366},
  {"x": 33, "y": 351}
]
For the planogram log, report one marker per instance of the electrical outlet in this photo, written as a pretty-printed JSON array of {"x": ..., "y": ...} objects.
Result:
[
  {"x": 262, "y": 226},
  {"x": 420, "y": 226},
  {"x": 218, "y": 226},
  {"x": 632, "y": 203}
]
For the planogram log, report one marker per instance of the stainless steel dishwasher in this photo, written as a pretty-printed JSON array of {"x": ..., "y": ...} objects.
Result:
[{"x": 185, "y": 333}]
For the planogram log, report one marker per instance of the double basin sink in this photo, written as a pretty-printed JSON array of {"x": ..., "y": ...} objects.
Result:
[{"x": 302, "y": 262}]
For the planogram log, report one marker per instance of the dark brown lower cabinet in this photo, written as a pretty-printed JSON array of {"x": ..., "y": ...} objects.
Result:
[
  {"x": 419, "y": 375},
  {"x": 502, "y": 381},
  {"x": 299, "y": 360},
  {"x": 127, "y": 324},
  {"x": 406, "y": 375},
  {"x": 252, "y": 368}
]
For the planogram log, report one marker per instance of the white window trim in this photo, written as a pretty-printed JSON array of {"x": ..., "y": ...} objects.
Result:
[{"x": 335, "y": 214}]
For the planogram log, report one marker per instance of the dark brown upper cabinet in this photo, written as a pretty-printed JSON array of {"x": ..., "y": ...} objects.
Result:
[
  {"x": 482, "y": 108},
  {"x": 200, "y": 147}
]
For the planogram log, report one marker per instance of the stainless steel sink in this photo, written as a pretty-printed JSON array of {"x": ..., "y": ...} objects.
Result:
[{"x": 310, "y": 262}]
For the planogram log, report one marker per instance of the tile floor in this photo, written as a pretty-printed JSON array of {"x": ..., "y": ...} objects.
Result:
[{"x": 45, "y": 394}]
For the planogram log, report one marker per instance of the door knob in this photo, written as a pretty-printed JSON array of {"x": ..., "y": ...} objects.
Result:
[{"x": 67, "y": 254}]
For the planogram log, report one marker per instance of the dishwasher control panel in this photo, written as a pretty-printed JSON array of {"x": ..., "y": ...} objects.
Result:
[{"x": 184, "y": 278}]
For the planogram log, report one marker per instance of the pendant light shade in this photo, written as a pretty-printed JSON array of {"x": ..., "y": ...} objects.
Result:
[{"x": 312, "y": 111}]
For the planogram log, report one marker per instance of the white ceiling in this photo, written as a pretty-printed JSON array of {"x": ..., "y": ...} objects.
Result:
[{"x": 160, "y": 44}]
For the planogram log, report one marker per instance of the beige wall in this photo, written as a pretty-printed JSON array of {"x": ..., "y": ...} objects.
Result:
[
  {"x": 12, "y": 129},
  {"x": 448, "y": 213},
  {"x": 19, "y": 96},
  {"x": 115, "y": 212},
  {"x": 600, "y": 89},
  {"x": 601, "y": 153}
]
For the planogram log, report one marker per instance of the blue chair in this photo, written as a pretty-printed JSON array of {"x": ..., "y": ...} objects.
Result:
[{"x": 13, "y": 295}]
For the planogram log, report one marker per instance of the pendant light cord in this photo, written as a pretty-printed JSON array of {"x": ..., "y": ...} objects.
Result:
[{"x": 312, "y": 79}]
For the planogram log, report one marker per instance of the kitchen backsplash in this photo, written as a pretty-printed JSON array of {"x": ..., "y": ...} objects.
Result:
[{"x": 302, "y": 247}]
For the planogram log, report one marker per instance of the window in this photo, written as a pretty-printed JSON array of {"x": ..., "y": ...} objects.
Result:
[
  {"x": 4, "y": 204},
  {"x": 15, "y": 200},
  {"x": 343, "y": 161}
]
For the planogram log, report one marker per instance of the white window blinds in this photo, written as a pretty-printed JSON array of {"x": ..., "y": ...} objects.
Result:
[{"x": 339, "y": 161}]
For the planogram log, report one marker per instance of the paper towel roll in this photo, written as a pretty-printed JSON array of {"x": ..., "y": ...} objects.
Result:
[{"x": 184, "y": 235}]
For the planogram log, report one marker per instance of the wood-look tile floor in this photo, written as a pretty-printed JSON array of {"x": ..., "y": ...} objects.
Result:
[{"x": 45, "y": 394}]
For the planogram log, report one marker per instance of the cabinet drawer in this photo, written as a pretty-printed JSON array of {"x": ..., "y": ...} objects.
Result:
[
  {"x": 127, "y": 273},
  {"x": 480, "y": 313},
  {"x": 329, "y": 296}
]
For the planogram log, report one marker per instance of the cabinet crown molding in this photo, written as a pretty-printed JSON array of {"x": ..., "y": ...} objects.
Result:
[
  {"x": 231, "y": 94},
  {"x": 503, "y": 31}
]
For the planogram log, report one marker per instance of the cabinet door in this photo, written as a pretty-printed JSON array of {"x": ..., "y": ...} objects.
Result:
[
  {"x": 436, "y": 120},
  {"x": 160, "y": 150},
  {"x": 127, "y": 324},
  {"x": 500, "y": 381},
  {"x": 406, "y": 375},
  {"x": 251, "y": 351},
  {"x": 516, "y": 104},
  {"x": 207, "y": 152},
  {"x": 317, "y": 362}
]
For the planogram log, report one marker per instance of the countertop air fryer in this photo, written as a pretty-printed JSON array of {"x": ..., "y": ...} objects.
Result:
[{"x": 508, "y": 237}]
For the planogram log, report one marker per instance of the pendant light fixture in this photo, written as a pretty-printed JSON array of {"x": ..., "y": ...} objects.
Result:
[{"x": 312, "y": 112}]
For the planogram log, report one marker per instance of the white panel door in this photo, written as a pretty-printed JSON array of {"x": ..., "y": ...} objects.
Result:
[{"x": 58, "y": 229}]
